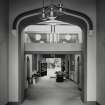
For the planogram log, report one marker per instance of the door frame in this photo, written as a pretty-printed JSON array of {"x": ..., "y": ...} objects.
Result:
[{"x": 17, "y": 28}]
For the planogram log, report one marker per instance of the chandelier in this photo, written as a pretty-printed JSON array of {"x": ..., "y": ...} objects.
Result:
[{"x": 52, "y": 11}]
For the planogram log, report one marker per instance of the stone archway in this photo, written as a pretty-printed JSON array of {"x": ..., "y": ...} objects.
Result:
[{"x": 32, "y": 17}]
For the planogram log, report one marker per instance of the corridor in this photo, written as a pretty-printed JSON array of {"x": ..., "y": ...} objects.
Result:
[
  {"x": 49, "y": 92},
  {"x": 18, "y": 15}
]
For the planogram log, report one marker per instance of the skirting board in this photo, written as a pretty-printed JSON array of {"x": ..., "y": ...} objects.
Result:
[
  {"x": 97, "y": 103},
  {"x": 13, "y": 103},
  {"x": 91, "y": 103},
  {"x": 88, "y": 103}
]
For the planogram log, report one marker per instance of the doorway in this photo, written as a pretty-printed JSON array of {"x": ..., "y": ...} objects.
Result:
[
  {"x": 49, "y": 85},
  {"x": 83, "y": 26},
  {"x": 53, "y": 39}
]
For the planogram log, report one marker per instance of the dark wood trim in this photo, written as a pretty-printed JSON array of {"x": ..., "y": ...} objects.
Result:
[
  {"x": 64, "y": 9},
  {"x": 13, "y": 103},
  {"x": 82, "y": 15},
  {"x": 23, "y": 15},
  {"x": 52, "y": 52},
  {"x": 88, "y": 103}
]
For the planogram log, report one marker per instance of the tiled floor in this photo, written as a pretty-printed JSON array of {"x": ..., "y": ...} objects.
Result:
[{"x": 49, "y": 92}]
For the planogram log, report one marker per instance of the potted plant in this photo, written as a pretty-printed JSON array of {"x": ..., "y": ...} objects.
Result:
[{"x": 59, "y": 76}]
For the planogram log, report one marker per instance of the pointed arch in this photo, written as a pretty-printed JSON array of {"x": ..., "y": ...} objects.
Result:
[
  {"x": 32, "y": 17},
  {"x": 74, "y": 17}
]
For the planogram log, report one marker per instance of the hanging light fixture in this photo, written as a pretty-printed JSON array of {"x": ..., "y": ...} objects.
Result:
[{"x": 51, "y": 11}]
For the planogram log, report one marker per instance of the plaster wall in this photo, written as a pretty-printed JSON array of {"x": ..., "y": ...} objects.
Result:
[
  {"x": 100, "y": 52},
  {"x": 13, "y": 69},
  {"x": 3, "y": 52},
  {"x": 91, "y": 68}
]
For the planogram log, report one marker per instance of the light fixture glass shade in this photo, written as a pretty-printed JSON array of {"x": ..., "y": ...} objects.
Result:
[
  {"x": 67, "y": 37},
  {"x": 38, "y": 37}
]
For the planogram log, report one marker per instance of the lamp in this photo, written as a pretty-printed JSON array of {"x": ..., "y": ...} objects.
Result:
[
  {"x": 67, "y": 37},
  {"x": 51, "y": 11},
  {"x": 37, "y": 36}
]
